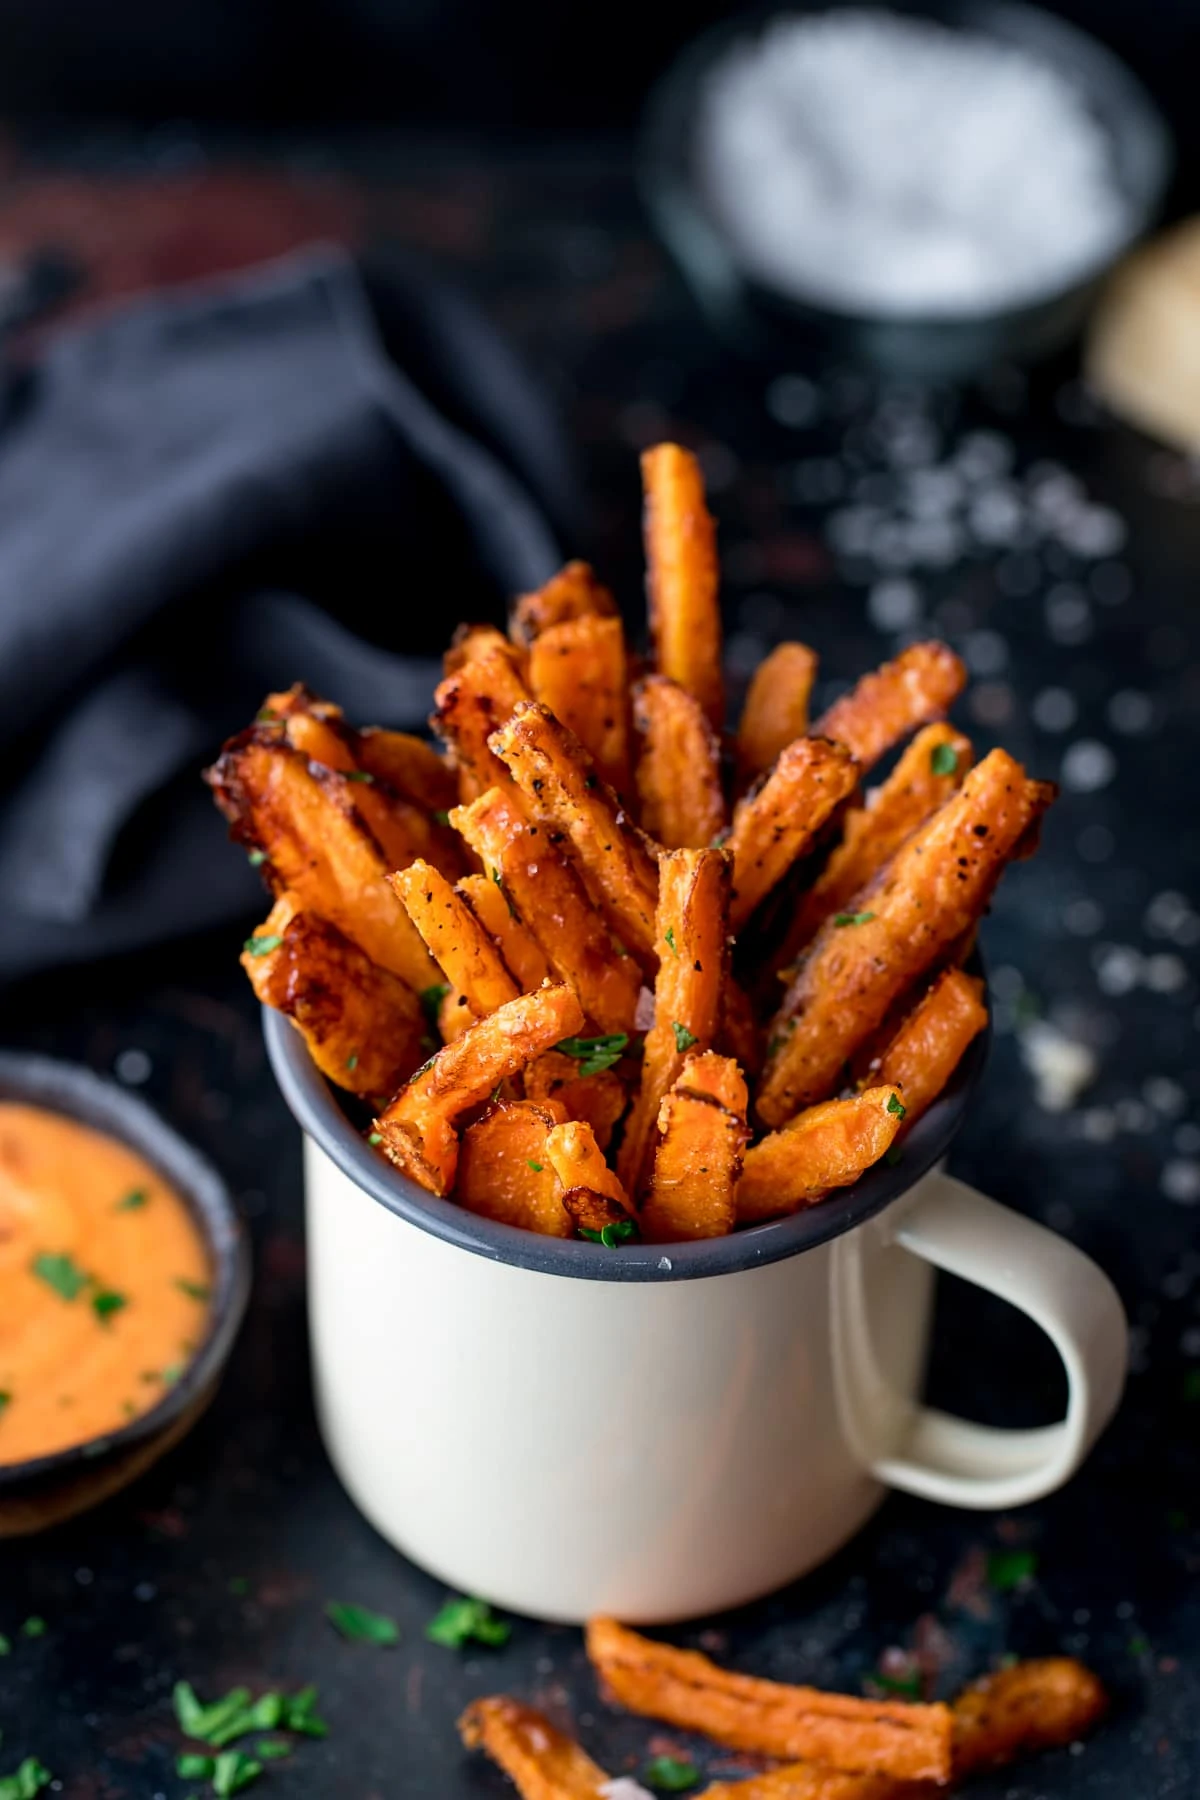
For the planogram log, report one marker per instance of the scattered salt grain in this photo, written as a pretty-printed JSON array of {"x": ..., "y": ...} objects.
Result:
[
  {"x": 624, "y": 1788},
  {"x": 1061, "y": 1068}
]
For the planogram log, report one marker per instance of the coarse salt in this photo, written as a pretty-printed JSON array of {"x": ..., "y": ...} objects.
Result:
[{"x": 895, "y": 166}]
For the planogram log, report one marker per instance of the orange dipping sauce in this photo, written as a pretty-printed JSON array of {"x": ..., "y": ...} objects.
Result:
[{"x": 104, "y": 1283}]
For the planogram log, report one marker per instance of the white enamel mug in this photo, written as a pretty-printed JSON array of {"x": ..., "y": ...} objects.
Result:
[{"x": 661, "y": 1432}]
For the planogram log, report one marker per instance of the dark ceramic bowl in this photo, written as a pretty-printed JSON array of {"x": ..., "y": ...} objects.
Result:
[
  {"x": 47, "y": 1489},
  {"x": 769, "y": 324}
]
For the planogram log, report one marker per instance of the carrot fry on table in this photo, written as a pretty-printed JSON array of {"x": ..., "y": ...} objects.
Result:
[
  {"x": 542, "y": 1762},
  {"x": 685, "y": 1689},
  {"x": 504, "y": 1172},
  {"x": 680, "y": 800},
  {"x": 301, "y": 821},
  {"x": 418, "y": 1128},
  {"x": 515, "y": 942},
  {"x": 578, "y": 670},
  {"x": 932, "y": 767},
  {"x": 410, "y": 765},
  {"x": 813, "y": 1781},
  {"x": 932, "y": 1041},
  {"x": 574, "y": 593},
  {"x": 454, "y": 937},
  {"x": 548, "y": 895},
  {"x": 691, "y": 936},
  {"x": 777, "y": 821},
  {"x": 468, "y": 706},
  {"x": 937, "y": 884},
  {"x": 598, "y": 1099},
  {"x": 363, "y": 1026},
  {"x": 578, "y": 1161},
  {"x": 776, "y": 708},
  {"x": 702, "y": 1135},
  {"x": 560, "y": 789},
  {"x": 921, "y": 684},
  {"x": 1035, "y": 1705},
  {"x": 826, "y": 1146},
  {"x": 682, "y": 577}
]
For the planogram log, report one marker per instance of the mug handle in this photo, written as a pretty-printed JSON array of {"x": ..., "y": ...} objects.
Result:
[{"x": 943, "y": 1457}]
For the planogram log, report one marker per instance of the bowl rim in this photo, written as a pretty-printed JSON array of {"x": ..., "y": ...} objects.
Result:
[
  {"x": 313, "y": 1103},
  {"x": 694, "y": 232},
  {"x": 78, "y": 1092}
]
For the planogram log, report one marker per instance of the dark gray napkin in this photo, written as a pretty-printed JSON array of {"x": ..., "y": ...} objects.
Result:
[{"x": 209, "y": 495}]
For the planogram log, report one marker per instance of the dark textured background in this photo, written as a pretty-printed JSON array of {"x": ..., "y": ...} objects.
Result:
[{"x": 138, "y": 1594}]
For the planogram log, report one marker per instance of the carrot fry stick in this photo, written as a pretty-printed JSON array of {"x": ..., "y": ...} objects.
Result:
[
  {"x": 933, "y": 766},
  {"x": 679, "y": 767},
  {"x": 826, "y": 1146},
  {"x": 921, "y": 684},
  {"x": 598, "y": 1100},
  {"x": 578, "y": 670},
  {"x": 559, "y": 788},
  {"x": 578, "y": 1161},
  {"x": 701, "y": 1138},
  {"x": 590, "y": 1212},
  {"x": 776, "y": 708},
  {"x": 516, "y": 944},
  {"x": 777, "y": 821},
  {"x": 504, "y": 1172},
  {"x": 692, "y": 939},
  {"x": 418, "y": 1128},
  {"x": 542, "y": 1762},
  {"x": 813, "y": 1781},
  {"x": 574, "y": 593},
  {"x": 935, "y": 887},
  {"x": 408, "y": 764},
  {"x": 932, "y": 1041},
  {"x": 468, "y": 706},
  {"x": 471, "y": 643},
  {"x": 686, "y": 1690},
  {"x": 682, "y": 576},
  {"x": 548, "y": 895},
  {"x": 454, "y": 938}
]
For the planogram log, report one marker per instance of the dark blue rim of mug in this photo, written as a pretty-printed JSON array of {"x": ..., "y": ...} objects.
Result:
[{"x": 315, "y": 1106}]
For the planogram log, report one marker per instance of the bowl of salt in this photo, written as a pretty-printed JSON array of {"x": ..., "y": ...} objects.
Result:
[{"x": 928, "y": 192}]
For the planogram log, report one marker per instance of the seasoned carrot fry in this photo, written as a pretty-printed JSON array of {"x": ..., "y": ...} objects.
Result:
[
  {"x": 302, "y": 821},
  {"x": 590, "y": 1212},
  {"x": 559, "y": 788},
  {"x": 921, "y": 684},
  {"x": 778, "y": 820},
  {"x": 686, "y": 1690},
  {"x": 516, "y": 944},
  {"x": 937, "y": 884},
  {"x": 682, "y": 577},
  {"x": 504, "y": 1172},
  {"x": 468, "y": 706},
  {"x": 552, "y": 904},
  {"x": 471, "y": 643},
  {"x": 738, "y": 1034},
  {"x": 454, "y": 938},
  {"x": 933, "y": 766},
  {"x": 598, "y": 1100},
  {"x": 826, "y": 1146},
  {"x": 574, "y": 593},
  {"x": 1035, "y": 1705},
  {"x": 698, "y": 1160},
  {"x": 691, "y": 935},
  {"x": 418, "y": 1128},
  {"x": 679, "y": 767},
  {"x": 454, "y": 1015},
  {"x": 363, "y": 1027},
  {"x": 578, "y": 1161},
  {"x": 776, "y": 708},
  {"x": 932, "y": 1041},
  {"x": 408, "y": 764},
  {"x": 578, "y": 670},
  {"x": 542, "y": 1762}
]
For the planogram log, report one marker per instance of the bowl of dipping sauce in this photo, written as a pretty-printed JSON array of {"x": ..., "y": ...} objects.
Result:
[
  {"x": 927, "y": 192},
  {"x": 124, "y": 1272}
]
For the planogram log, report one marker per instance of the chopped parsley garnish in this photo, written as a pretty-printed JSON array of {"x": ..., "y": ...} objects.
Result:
[
  {"x": 431, "y": 999},
  {"x": 1009, "y": 1569},
  {"x": 463, "y": 1621},
  {"x": 134, "y": 1201},
  {"x": 670, "y": 1774},
  {"x": 195, "y": 1290},
  {"x": 1139, "y": 1646},
  {"x": 360, "y": 775},
  {"x": 271, "y": 1749},
  {"x": 257, "y": 858},
  {"x": 34, "y": 1627},
  {"x": 611, "y": 1236},
  {"x": 684, "y": 1039},
  {"x": 442, "y": 816},
  {"x": 27, "y": 1783},
  {"x": 352, "y": 1061},
  {"x": 424, "y": 1068},
  {"x": 171, "y": 1373},
  {"x": 596, "y": 1054},
  {"x": 944, "y": 760},
  {"x": 106, "y": 1302},
  {"x": 859, "y": 918},
  {"x": 265, "y": 716},
  {"x": 905, "y": 1687},
  {"x": 300, "y": 1715},
  {"x": 376, "y": 1137},
  {"x": 537, "y": 1167},
  {"x": 233, "y": 1770},
  {"x": 262, "y": 945},
  {"x": 62, "y": 1274},
  {"x": 892, "y": 1155},
  {"x": 193, "y": 1767},
  {"x": 896, "y": 1106},
  {"x": 360, "y": 1625},
  {"x": 669, "y": 940},
  {"x": 5, "y": 1399}
]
